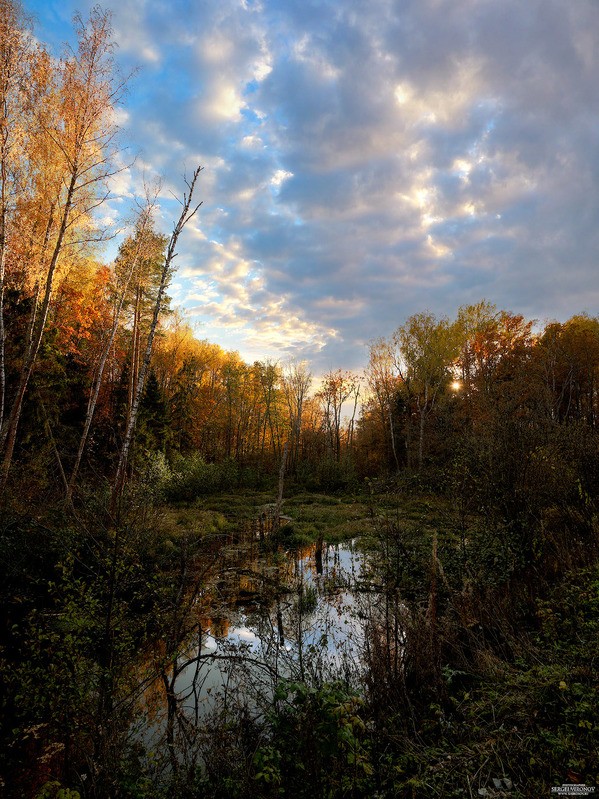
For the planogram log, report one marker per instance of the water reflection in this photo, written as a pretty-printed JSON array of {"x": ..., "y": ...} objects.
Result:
[{"x": 282, "y": 615}]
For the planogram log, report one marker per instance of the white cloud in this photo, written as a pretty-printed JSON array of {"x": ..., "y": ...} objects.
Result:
[
  {"x": 412, "y": 155},
  {"x": 223, "y": 102}
]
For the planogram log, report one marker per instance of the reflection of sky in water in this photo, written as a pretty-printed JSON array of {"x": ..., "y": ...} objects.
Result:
[{"x": 257, "y": 646}]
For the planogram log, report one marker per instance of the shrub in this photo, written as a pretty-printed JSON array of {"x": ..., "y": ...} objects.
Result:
[{"x": 192, "y": 476}]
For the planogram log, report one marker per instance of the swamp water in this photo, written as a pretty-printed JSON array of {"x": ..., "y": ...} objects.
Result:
[{"x": 287, "y": 615}]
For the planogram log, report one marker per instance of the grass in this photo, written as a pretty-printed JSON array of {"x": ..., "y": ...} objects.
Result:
[{"x": 312, "y": 516}]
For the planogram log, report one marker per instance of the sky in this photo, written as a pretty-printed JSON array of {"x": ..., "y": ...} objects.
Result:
[{"x": 363, "y": 161}]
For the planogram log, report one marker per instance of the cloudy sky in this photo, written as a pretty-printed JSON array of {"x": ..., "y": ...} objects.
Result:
[{"x": 364, "y": 160}]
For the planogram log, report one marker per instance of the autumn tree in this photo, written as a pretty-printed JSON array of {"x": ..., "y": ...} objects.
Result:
[
  {"x": 425, "y": 351},
  {"x": 138, "y": 269},
  {"x": 143, "y": 246},
  {"x": 188, "y": 371},
  {"x": 238, "y": 408},
  {"x": 296, "y": 382},
  {"x": 188, "y": 211},
  {"x": 568, "y": 355},
  {"x": 383, "y": 382},
  {"x": 16, "y": 60},
  {"x": 490, "y": 341},
  {"x": 338, "y": 388},
  {"x": 70, "y": 158},
  {"x": 268, "y": 377}
]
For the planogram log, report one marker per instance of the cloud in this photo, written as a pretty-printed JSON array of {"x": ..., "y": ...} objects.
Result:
[{"x": 367, "y": 161}]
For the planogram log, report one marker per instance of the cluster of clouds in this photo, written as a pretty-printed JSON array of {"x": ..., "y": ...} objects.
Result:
[{"x": 365, "y": 161}]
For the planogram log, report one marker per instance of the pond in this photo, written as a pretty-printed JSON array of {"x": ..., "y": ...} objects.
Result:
[{"x": 294, "y": 615}]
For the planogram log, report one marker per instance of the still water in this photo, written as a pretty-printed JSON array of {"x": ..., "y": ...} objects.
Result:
[{"x": 293, "y": 615}]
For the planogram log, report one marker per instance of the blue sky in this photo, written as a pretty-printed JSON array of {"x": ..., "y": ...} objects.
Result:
[{"x": 363, "y": 160}]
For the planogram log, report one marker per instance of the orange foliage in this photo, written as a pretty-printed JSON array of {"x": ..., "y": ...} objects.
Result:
[{"x": 82, "y": 312}]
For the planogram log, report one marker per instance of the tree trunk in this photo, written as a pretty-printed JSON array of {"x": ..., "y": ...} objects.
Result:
[
  {"x": 423, "y": 411},
  {"x": 93, "y": 399},
  {"x": 392, "y": 434},
  {"x": 10, "y": 434},
  {"x": 80, "y": 140},
  {"x": 276, "y": 520},
  {"x": 3, "y": 217},
  {"x": 186, "y": 214}
]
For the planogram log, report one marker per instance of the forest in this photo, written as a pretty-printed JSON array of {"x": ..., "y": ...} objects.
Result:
[{"x": 158, "y": 493}]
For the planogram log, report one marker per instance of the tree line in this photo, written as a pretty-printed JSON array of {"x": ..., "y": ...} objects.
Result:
[
  {"x": 97, "y": 371},
  {"x": 437, "y": 378}
]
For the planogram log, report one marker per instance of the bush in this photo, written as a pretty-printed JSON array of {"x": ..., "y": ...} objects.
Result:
[
  {"x": 192, "y": 476},
  {"x": 327, "y": 475}
]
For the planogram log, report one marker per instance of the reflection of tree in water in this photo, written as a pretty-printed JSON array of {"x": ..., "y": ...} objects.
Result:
[{"x": 265, "y": 617}]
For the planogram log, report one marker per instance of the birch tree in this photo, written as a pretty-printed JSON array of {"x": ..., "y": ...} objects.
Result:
[
  {"x": 426, "y": 348},
  {"x": 338, "y": 388},
  {"x": 16, "y": 52},
  {"x": 131, "y": 253},
  {"x": 296, "y": 382},
  {"x": 383, "y": 379},
  {"x": 188, "y": 211},
  {"x": 70, "y": 161}
]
